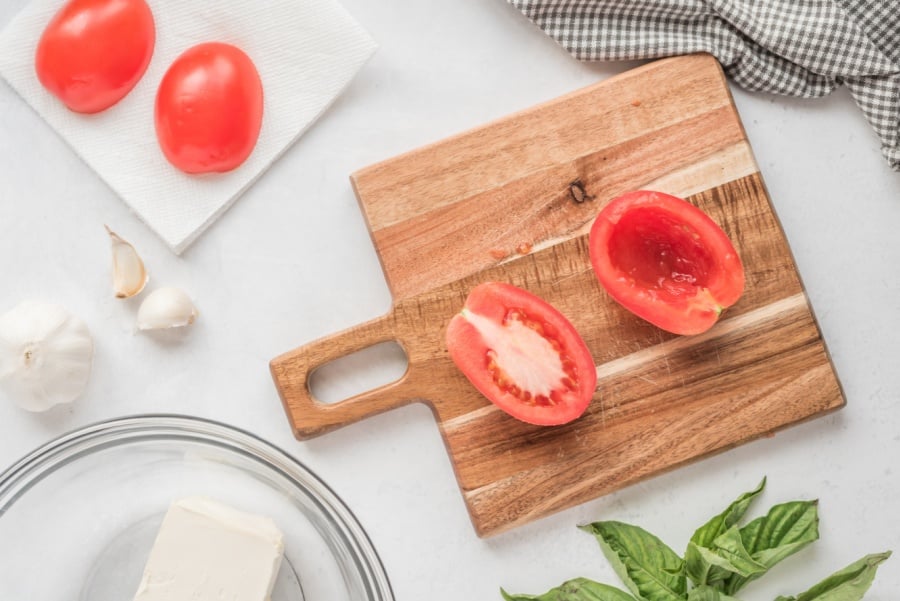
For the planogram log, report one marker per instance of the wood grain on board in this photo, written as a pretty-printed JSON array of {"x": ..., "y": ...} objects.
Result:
[{"x": 512, "y": 201}]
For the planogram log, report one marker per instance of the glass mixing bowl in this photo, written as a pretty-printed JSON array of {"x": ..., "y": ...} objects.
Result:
[{"x": 79, "y": 515}]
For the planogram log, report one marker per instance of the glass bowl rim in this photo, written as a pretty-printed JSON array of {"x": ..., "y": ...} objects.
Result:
[{"x": 22, "y": 475}]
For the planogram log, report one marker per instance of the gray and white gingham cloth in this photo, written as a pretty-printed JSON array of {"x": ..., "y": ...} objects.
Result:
[{"x": 801, "y": 48}]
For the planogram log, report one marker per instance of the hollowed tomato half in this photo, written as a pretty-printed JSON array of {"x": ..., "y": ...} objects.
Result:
[
  {"x": 522, "y": 354},
  {"x": 666, "y": 261}
]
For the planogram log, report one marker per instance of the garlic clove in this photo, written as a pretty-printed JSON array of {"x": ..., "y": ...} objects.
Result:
[
  {"x": 166, "y": 308},
  {"x": 46, "y": 355},
  {"x": 128, "y": 272}
]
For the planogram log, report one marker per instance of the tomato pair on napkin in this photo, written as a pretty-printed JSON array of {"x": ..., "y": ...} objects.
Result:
[
  {"x": 209, "y": 105},
  {"x": 659, "y": 256}
]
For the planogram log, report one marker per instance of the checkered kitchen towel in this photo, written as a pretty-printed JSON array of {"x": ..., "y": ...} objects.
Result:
[{"x": 795, "y": 47}]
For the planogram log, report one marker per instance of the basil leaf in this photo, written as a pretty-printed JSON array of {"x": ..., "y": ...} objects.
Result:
[
  {"x": 649, "y": 568},
  {"x": 849, "y": 584},
  {"x": 726, "y": 558},
  {"x": 730, "y": 547},
  {"x": 786, "y": 529},
  {"x": 707, "y": 533},
  {"x": 711, "y": 566},
  {"x": 785, "y": 524},
  {"x": 579, "y": 589},
  {"x": 708, "y": 593},
  {"x": 699, "y": 566}
]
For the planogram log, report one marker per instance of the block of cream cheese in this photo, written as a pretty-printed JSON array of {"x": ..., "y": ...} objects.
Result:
[{"x": 206, "y": 550}]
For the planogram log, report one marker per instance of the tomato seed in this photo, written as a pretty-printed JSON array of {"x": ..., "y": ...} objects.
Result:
[{"x": 543, "y": 401}]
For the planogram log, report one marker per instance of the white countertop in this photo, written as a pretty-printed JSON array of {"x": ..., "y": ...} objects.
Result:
[{"x": 292, "y": 261}]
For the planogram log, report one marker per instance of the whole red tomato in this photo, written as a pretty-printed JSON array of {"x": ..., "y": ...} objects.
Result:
[
  {"x": 93, "y": 52},
  {"x": 666, "y": 261},
  {"x": 522, "y": 354},
  {"x": 209, "y": 109}
]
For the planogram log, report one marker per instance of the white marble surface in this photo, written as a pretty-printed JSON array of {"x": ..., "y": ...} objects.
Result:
[{"x": 292, "y": 261}]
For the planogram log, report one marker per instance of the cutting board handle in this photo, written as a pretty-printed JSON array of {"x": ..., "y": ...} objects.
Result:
[{"x": 311, "y": 417}]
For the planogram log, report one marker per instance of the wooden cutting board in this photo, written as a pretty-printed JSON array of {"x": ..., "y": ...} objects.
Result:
[{"x": 513, "y": 201}]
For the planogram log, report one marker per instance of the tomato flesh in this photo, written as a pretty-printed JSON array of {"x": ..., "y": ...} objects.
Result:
[
  {"x": 522, "y": 354},
  {"x": 93, "y": 52},
  {"x": 209, "y": 109},
  {"x": 666, "y": 261}
]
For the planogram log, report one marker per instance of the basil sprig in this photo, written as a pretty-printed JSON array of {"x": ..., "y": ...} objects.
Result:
[{"x": 721, "y": 557}]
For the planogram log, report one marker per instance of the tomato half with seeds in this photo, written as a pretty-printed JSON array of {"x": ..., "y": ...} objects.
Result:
[
  {"x": 522, "y": 354},
  {"x": 93, "y": 52},
  {"x": 666, "y": 261},
  {"x": 209, "y": 109}
]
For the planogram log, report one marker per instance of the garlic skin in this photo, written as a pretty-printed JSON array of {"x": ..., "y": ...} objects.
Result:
[
  {"x": 128, "y": 273},
  {"x": 166, "y": 308},
  {"x": 46, "y": 355}
]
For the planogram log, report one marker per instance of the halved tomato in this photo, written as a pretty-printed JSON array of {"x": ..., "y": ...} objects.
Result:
[
  {"x": 522, "y": 354},
  {"x": 209, "y": 109},
  {"x": 666, "y": 261},
  {"x": 93, "y": 52}
]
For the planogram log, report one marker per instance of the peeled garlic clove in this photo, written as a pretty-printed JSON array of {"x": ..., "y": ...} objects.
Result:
[
  {"x": 129, "y": 275},
  {"x": 166, "y": 308},
  {"x": 45, "y": 355}
]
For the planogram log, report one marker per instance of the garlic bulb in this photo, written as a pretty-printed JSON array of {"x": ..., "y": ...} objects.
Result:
[
  {"x": 129, "y": 275},
  {"x": 45, "y": 355},
  {"x": 166, "y": 308}
]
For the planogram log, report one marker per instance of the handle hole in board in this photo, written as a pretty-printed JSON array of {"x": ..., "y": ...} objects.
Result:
[{"x": 358, "y": 372}]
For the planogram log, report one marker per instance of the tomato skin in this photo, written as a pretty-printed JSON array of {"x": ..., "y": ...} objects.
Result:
[
  {"x": 209, "y": 109},
  {"x": 93, "y": 52},
  {"x": 666, "y": 261},
  {"x": 504, "y": 332}
]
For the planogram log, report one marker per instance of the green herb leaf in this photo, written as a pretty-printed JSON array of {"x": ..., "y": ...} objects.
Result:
[
  {"x": 786, "y": 529},
  {"x": 849, "y": 584},
  {"x": 699, "y": 566},
  {"x": 579, "y": 589},
  {"x": 730, "y": 547},
  {"x": 726, "y": 558},
  {"x": 710, "y": 570},
  {"x": 649, "y": 568},
  {"x": 711, "y": 530},
  {"x": 708, "y": 593}
]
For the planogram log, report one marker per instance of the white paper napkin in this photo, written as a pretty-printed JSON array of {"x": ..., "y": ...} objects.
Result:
[{"x": 306, "y": 52}]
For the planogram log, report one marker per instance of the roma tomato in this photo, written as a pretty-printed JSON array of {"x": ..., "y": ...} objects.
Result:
[
  {"x": 209, "y": 109},
  {"x": 93, "y": 52},
  {"x": 522, "y": 354},
  {"x": 666, "y": 261}
]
